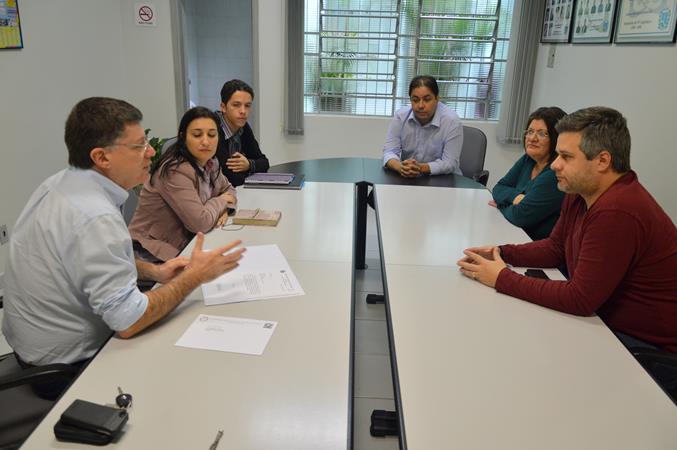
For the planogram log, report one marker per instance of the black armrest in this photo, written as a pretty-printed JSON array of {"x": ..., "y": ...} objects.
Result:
[
  {"x": 661, "y": 365},
  {"x": 653, "y": 356},
  {"x": 37, "y": 374},
  {"x": 481, "y": 177}
]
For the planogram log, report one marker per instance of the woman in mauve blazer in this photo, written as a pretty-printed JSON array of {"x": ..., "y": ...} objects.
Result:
[{"x": 186, "y": 192}]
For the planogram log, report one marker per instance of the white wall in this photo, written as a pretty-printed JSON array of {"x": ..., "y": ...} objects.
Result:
[
  {"x": 639, "y": 81},
  {"x": 148, "y": 62},
  {"x": 75, "y": 49}
]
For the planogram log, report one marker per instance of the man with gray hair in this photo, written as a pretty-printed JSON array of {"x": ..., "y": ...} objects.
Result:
[
  {"x": 619, "y": 246},
  {"x": 71, "y": 275}
]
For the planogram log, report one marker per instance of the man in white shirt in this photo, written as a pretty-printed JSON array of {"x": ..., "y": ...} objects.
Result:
[
  {"x": 71, "y": 276},
  {"x": 426, "y": 137}
]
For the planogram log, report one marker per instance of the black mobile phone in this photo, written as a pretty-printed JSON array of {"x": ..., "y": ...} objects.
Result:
[{"x": 536, "y": 273}]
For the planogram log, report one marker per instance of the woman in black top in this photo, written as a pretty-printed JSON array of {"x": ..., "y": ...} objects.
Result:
[{"x": 238, "y": 151}]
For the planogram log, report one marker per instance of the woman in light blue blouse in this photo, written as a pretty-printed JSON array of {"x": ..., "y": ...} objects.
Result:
[{"x": 527, "y": 195}]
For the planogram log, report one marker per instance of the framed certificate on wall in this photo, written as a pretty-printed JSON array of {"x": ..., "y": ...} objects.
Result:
[
  {"x": 557, "y": 21},
  {"x": 647, "y": 21},
  {"x": 10, "y": 27},
  {"x": 593, "y": 22}
]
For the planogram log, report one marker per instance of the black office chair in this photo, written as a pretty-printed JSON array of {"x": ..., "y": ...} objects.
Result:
[
  {"x": 22, "y": 410},
  {"x": 129, "y": 207},
  {"x": 167, "y": 143},
  {"x": 661, "y": 365},
  {"x": 472, "y": 155}
]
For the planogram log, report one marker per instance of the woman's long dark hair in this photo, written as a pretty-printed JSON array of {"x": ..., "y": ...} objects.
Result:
[{"x": 178, "y": 152}]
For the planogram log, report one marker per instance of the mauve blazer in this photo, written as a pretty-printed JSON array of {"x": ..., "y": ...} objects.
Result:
[{"x": 170, "y": 212}]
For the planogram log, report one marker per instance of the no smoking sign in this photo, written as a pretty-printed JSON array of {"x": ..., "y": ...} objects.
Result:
[{"x": 145, "y": 14}]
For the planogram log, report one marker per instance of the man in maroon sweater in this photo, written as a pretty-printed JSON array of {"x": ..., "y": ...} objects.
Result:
[{"x": 619, "y": 246}]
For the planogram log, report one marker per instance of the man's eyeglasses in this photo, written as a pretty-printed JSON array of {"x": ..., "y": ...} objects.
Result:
[
  {"x": 139, "y": 147},
  {"x": 540, "y": 133}
]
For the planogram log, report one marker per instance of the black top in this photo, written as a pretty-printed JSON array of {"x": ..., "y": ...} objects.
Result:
[{"x": 248, "y": 146}]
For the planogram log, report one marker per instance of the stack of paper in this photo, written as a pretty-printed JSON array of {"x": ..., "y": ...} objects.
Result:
[{"x": 263, "y": 273}]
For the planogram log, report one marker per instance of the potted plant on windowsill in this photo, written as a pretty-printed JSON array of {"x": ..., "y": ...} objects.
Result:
[{"x": 335, "y": 70}]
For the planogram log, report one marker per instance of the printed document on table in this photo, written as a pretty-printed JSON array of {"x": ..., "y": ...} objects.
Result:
[
  {"x": 263, "y": 273},
  {"x": 228, "y": 334}
]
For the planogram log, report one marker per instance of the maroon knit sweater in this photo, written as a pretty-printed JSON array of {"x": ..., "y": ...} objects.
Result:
[{"x": 622, "y": 261}]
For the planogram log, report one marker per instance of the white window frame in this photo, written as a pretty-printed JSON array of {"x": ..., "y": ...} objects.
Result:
[{"x": 334, "y": 91}]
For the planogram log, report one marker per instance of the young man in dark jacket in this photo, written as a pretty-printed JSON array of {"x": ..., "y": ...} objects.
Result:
[{"x": 238, "y": 151}]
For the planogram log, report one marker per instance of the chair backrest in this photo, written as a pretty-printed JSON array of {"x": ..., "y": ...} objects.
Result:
[
  {"x": 473, "y": 151},
  {"x": 167, "y": 144},
  {"x": 129, "y": 207}
]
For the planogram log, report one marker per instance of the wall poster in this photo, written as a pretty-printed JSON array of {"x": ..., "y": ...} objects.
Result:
[
  {"x": 10, "y": 27},
  {"x": 594, "y": 21},
  {"x": 646, "y": 21},
  {"x": 557, "y": 20}
]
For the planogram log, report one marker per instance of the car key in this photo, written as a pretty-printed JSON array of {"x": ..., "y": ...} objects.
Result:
[{"x": 123, "y": 400}]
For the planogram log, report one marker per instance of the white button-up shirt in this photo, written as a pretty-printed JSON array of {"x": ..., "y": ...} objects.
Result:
[
  {"x": 437, "y": 143},
  {"x": 71, "y": 275}
]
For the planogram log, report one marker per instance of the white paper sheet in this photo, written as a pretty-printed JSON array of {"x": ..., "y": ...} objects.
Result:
[
  {"x": 228, "y": 334},
  {"x": 263, "y": 273}
]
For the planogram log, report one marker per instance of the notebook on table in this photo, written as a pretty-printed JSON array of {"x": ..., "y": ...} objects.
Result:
[
  {"x": 256, "y": 217},
  {"x": 274, "y": 181},
  {"x": 269, "y": 178}
]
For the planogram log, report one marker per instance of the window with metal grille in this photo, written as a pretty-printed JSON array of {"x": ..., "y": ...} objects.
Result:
[{"x": 360, "y": 55}]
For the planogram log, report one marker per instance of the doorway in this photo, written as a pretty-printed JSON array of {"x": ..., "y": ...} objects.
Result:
[{"x": 216, "y": 42}]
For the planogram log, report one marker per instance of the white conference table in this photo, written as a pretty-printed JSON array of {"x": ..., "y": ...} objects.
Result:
[
  {"x": 475, "y": 369},
  {"x": 296, "y": 396}
]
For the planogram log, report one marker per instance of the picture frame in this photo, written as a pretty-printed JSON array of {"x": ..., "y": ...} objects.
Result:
[
  {"x": 647, "y": 22},
  {"x": 557, "y": 17},
  {"x": 594, "y": 21},
  {"x": 10, "y": 26}
]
